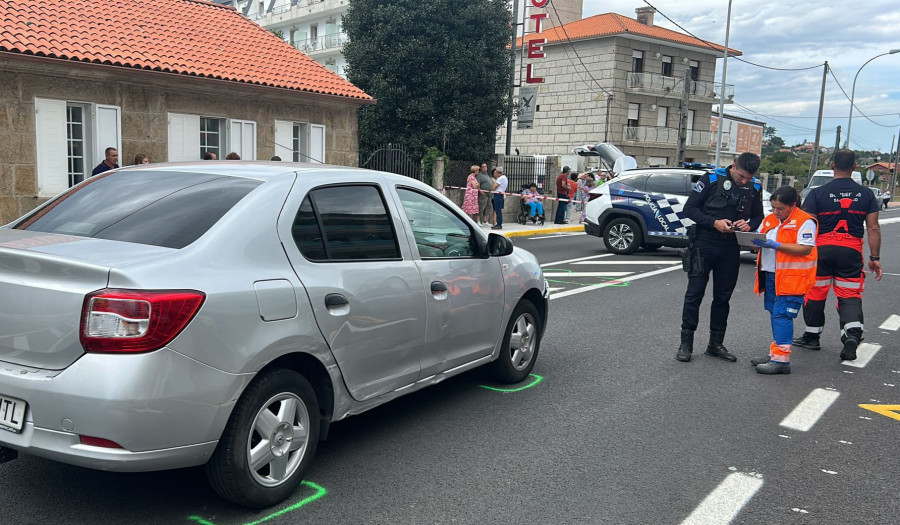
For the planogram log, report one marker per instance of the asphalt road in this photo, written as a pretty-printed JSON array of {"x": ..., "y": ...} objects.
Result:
[{"x": 615, "y": 432}]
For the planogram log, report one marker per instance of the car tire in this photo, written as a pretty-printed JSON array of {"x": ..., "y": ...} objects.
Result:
[
  {"x": 520, "y": 347},
  {"x": 282, "y": 405},
  {"x": 622, "y": 236}
]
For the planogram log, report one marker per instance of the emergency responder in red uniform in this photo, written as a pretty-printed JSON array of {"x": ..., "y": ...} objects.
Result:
[{"x": 845, "y": 211}]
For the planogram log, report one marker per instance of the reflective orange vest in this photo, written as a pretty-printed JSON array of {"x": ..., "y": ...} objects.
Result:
[{"x": 794, "y": 274}]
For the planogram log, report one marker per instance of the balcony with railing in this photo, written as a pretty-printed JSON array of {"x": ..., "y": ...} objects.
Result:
[
  {"x": 650, "y": 135},
  {"x": 662, "y": 85},
  {"x": 312, "y": 46},
  {"x": 259, "y": 15}
]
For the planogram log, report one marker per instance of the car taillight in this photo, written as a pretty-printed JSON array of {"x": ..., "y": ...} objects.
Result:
[
  {"x": 130, "y": 321},
  {"x": 592, "y": 196}
]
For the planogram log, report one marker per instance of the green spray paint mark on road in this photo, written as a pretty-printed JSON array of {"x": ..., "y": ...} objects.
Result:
[
  {"x": 537, "y": 379},
  {"x": 320, "y": 491}
]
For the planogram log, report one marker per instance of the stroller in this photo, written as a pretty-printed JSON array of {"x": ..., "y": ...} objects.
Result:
[{"x": 524, "y": 211}]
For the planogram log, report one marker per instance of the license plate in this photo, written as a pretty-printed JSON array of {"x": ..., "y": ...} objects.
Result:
[{"x": 12, "y": 413}]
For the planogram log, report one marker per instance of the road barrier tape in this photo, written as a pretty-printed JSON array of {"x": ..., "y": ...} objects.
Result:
[{"x": 543, "y": 198}]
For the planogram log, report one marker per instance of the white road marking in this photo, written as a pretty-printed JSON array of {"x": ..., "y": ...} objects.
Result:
[
  {"x": 555, "y": 235},
  {"x": 808, "y": 412},
  {"x": 725, "y": 502},
  {"x": 845, "y": 442},
  {"x": 829, "y": 472},
  {"x": 864, "y": 353},
  {"x": 801, "y": 511},
  {"x": 629, "y": 262},
  {"x": 847, "y": 372},
  {"x": 567, "y": 261},
  {"x": 892, "y": 323},
  {"x": 551, "y": 290},
  {"x": 889, "y": 221},
  {"x": 586, "y": 274},
  {"x": 630, "y": 278},
  {"x": 783, "y": 436}
]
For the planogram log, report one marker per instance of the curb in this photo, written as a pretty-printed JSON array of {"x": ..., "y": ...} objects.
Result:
[{"x": 528, "y": 233}]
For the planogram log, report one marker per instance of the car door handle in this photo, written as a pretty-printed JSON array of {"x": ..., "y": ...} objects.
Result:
[
  {"x": 335, "y": 300},
  {"x": 438, "y": 287}
]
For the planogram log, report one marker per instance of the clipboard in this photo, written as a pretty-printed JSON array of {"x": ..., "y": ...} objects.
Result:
[{"x": 746, "y": 238}]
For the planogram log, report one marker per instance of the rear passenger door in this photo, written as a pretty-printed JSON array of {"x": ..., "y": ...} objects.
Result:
[
  {"x": 667, "y": 191},
  {"x": 364, "y": 288}
]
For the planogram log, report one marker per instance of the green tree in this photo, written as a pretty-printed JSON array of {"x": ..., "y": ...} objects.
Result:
[{"x": 438, "y": 69}]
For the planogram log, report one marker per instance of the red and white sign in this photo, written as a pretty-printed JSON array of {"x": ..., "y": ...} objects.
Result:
[{"x": 535, "y": 46}]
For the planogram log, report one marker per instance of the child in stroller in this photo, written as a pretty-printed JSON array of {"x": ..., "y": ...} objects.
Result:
[{"x": 531, "y": 206}]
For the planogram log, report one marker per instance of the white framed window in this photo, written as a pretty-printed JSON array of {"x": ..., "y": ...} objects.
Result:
[
  {"x": 190, "y": 136},
  {"x": 634, "y": 112},
  {"x": 662, "y": 116},
  {"x": 71, "y": 138},
  {"x": 666, "y": 66},
  {"x": 300, "y": 141}
]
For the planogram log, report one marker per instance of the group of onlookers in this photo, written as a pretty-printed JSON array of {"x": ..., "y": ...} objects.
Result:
[
  {"x": 574, "y": 190},
  {"x": 483, "y": 201}
]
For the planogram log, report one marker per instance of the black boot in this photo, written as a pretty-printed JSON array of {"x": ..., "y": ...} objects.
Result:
[
  {"x": 848, "y": 353},
  {"x": 687, "y": 346},
  {"x": 715, "y": 347},
  {"x": 808, "y": 341}
]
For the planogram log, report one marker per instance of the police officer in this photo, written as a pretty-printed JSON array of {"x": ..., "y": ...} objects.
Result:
[
  {"x": 847, "y": 212},
  {"x": 722, "y": 202}
]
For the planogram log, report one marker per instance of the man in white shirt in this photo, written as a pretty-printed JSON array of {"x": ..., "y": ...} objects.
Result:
[{"x": 500, "y": 185}]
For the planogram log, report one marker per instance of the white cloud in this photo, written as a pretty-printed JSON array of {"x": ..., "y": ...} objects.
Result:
[{"x": 793, "y": 35}]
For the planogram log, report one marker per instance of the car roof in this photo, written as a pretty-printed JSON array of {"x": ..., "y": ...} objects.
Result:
[{"x": 637, "y": 171}]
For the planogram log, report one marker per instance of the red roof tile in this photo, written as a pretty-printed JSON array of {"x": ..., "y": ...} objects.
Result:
[
  {"x": 190, "y": 37},
  {"x": 610, "y": 24}
]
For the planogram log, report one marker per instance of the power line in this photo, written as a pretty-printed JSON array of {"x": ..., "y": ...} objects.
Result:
[
  {"x": 709, "y": 45},
  {"x": 841, "y": 117},
  {"x": 854, "y": 104},
  {"x": 769, "y": 117}
]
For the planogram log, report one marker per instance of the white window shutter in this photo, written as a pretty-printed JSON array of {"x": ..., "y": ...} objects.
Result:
[
  {"x": 317, "y": 143},
  {"x": 662, "y": 117},
  {"x": 284, "y": 140},
  {"x": 107, "y": 133},
  {"x": 242, "y": 138},
  {"x": 52, "y": 150},
  {"x": 184, "y": 137}
]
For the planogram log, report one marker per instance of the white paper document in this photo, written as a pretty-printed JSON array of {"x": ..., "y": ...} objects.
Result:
[{"x": 746, "y": 238}]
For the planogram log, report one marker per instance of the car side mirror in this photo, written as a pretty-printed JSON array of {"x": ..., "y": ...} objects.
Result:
[{"x": 498, "y": 245}]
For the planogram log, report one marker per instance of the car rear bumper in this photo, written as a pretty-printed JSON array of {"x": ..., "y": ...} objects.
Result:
[
  {"x": 592, "y": 229},
  {"x": 164, "y": 409}
]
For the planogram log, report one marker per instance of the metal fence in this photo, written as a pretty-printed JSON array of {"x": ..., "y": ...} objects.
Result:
[
  {"x": 521, "y": 170},
  {"x": 459, "y": 172},
  {"x": 393, "y": 159}
]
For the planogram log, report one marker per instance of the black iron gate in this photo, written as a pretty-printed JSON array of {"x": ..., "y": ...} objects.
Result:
[{"x": 394, "y": 159}]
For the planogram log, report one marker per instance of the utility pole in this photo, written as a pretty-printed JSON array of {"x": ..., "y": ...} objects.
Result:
[
  {"x": 894, "y": 176},
  {"x": 682, "y": 116},
  {"x": 512, "y": 76},
  {"x": 814, "y": 165},
  {"x": 722, "y": 94}
]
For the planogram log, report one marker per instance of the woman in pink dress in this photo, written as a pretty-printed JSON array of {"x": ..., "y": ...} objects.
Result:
[{"x": 470, "y": 203}]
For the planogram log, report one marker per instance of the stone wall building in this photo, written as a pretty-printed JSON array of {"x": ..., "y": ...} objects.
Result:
[
  {"x": 80, "y": 77},
  {"x": 610, "y": 78}
]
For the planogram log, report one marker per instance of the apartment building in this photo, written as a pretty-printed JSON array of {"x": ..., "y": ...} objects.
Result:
[{"x": 618, "y": 79}]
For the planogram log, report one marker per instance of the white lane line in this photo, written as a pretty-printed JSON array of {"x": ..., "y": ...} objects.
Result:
[
  {"x": 555, "y": 235},
  {"x": 808, "y": 412},
  {"x": 578, "y": 259},
  {"x": 891, "y": 323},
  {"x": 864, "y": 353},
  {"x": 630, "y": 278},
  {"x": 629, "y": 262},
  {"x": 889, "y": 221},
  {"x": 586, "y": 274},
  {"x": 551, "y": 290},
  {"x": 725, "y": 502}
]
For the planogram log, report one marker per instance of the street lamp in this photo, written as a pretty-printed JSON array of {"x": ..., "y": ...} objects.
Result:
[{"x": 853, "y": 93}]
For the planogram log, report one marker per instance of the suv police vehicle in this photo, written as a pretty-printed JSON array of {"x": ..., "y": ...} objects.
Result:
[{"x": 643, "y": 208}]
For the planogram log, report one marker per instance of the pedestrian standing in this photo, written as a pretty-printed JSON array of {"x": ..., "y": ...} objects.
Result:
[
  {"x": 785, "y": 272},
  {"x": 111, "y": 161},
  {"x": 885, "y": 199},
  {"x": 485, "y": 202},
  {"x": 562, "y": 192},
  {"x": 470, "y": 201},
  {"x": 500, "y": 185},
  {"x": 585, "y": 187},
  {"x": 723, "y": 202},
  {"x": 847, "y": 212},
  {"x": 140, "y": 158},
  {"x": 573, "y": 200}
]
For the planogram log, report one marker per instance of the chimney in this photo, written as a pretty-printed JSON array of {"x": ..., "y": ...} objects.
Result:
[{"x": 645, "y": 15}]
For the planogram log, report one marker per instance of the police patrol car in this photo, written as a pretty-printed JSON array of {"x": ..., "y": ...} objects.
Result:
[{"x": 643, "y": 208}]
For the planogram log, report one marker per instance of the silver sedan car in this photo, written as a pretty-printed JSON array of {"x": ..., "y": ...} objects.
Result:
[{"x": 168, "y": 316}]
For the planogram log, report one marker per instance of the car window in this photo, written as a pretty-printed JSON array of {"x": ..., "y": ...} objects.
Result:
[
  {"x": 345, "y": 223},
  {"x": 638, "y": 182},
  {"x": 168, "y": 209},
  {"x": 671, "y": 183},
  {"x": 437, "y": 230}
]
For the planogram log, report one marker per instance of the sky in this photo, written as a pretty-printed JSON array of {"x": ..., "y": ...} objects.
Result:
[{"x": 798, "y": 34}]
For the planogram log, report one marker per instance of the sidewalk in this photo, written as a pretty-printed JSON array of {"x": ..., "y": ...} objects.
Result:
[{"x": 514, "y": 229}]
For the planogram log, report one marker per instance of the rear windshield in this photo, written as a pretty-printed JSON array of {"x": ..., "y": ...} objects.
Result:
[{"x": 164, "y": 209}]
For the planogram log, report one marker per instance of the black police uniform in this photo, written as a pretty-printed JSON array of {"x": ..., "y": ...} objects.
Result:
[{"x": 716, "y": 196}]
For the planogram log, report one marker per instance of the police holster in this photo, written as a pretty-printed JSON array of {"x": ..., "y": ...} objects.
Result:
[{"x": 691, "y": 259}]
